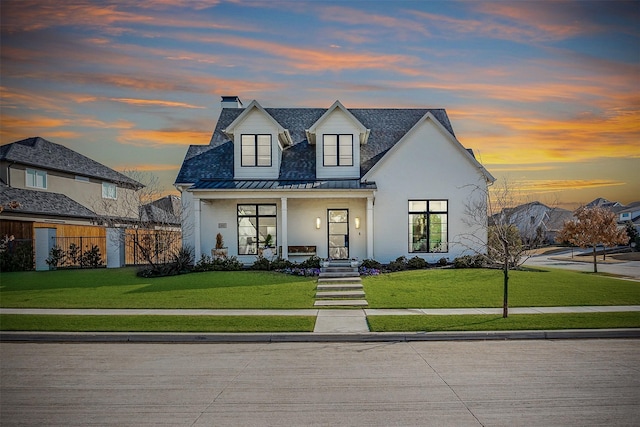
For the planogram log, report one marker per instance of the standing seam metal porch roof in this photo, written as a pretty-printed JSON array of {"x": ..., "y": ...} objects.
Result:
[{"x": 254, "y": 184}]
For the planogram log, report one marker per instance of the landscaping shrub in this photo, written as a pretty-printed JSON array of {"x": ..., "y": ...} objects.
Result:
[
  {"x": 371, "y": 264},
  {"x": 261, "y": 263},
  {"x": 227, "y": 264},
  {"x": 16, "y": 255},
  {"x": 311, "y": 262},
  {"x": 443, "y": 262},
  {"x": 399, "y": 264},
  {"x": 91, "y": 257},
  {"x": 469, "y": 261},
  {"x": 417, "y": 263},
  {"x": 281, "y": 264}
]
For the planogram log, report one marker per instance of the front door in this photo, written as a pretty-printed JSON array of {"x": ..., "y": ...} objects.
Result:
[{"x": 338, "y": 220}]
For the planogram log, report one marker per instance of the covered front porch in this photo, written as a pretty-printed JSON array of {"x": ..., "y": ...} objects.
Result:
[{"x": 292, "y": 224}]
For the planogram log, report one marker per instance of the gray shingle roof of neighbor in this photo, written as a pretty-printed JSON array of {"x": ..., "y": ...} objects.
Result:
[
  {"x": 42, "y": 203},
  {"x": 40, "y": 153},
  {"x": 165, "y": 210},
  {"x": 387, "y": 125}
]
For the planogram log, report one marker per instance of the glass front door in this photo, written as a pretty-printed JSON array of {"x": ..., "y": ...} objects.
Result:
[{"x": 338, "y": 220}]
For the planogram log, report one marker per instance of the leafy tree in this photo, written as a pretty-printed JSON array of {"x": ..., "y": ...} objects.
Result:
[{"x": 592, "y": 227}]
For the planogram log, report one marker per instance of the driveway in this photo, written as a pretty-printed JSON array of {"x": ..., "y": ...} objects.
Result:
[
  {"x": 496, "y": 383},
  {"x": 630, "y": 269}
]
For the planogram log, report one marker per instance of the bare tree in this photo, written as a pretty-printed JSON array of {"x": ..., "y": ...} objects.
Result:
[
  {"x": 151, "y": 222},
  {"x": 491, "y": 213},
  {"x": 592, "y": 227}
]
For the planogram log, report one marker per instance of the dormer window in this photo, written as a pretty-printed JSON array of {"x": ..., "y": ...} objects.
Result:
[
  {"x": 337, "y": 150},
  {"x": 255, "y": 150}
]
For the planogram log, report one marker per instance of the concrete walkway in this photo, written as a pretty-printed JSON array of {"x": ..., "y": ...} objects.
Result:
[{"x": 327, "y": 320}]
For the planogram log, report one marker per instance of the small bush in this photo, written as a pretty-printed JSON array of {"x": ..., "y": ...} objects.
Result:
[
  {"x": 281, "y": 264},
  {"x": 469, "y": 261},
  {"x": 261, "y": 263},
  {"x": 399, "y": 264},
  {"x": 311, "y": 262},
  {"x": 57, "y": 257},
  {"x": 91, "y": 258},
  {"x": 16, "y": 255},
  {"x": 205, "y": 263},
  {"x": 183, "y": 259},
  {"x": 227, "y": 264},
  {"x": 417, "y": 263},
  {"x": 443, "y": 262},
  {"x": 371, "y": 263}
]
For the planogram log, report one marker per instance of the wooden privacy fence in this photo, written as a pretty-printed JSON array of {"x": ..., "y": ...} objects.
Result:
[{"x": 159, "y": 245}]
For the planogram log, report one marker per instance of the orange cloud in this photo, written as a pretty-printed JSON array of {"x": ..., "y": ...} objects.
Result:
[
  {"x": 153, "y": 102},
  {"x": 160, "y": 137}
]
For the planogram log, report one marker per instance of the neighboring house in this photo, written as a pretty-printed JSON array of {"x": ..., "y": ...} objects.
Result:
[
  {"x": 629, "y": 213},
  {"x": 165, "y": 212},
  {"x": 603, "y": 203},
  {"x": 55, "y": 185},
  {"x": 332, "y": 182},
  {"x": 535, "y": 221}
]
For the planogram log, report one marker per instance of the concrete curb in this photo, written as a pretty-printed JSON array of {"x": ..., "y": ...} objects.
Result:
[{"x": 210, "y": 338}]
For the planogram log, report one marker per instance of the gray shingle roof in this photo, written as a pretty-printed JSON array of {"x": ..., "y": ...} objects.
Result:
[
  {"x": 42, "y": 203},
  {"x": 388, "y": 126},
  {"x": 40, "y": 153}
]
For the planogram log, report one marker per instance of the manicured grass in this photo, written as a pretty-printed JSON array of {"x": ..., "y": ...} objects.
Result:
[
  {"x": 121, "y": 288},
  {"x": 64, "y": 323},
  {"x": 450, "y": 288},
  {"x": 426, "y": 323}
]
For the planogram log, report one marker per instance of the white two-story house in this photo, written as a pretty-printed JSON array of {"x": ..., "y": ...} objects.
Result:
[{"x": 333, "y": 182}]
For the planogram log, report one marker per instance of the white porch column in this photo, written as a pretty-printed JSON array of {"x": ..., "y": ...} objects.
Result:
[
  {"x": 285, "y": 226},
  {"x": 197, "y": 251},
  {"x": 370, "y": 254}
]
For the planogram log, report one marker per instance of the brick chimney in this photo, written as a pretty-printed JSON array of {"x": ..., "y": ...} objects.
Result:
[{"x": 231, "y": 102}]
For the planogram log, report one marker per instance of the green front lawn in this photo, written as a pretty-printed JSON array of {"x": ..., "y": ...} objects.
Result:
[
  {"x": 121, "y": 288},
  {"x": 515, "y": 322},
  {"x": 64, "y": 323},
  {"x": 449, "y": 288}
]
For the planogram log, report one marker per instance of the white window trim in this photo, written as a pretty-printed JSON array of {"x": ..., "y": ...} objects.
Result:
[
  {"x": 35, "y": 173},
  {"x": 105, "y": 194}
]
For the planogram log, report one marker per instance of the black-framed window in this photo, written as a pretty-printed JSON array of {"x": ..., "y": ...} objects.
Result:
[
  {"x": 255, "y": 223},
  {"x": 337, "y": 150},
  {"x": 255, "y": 150},
  {"x": 428, "y": 226}
]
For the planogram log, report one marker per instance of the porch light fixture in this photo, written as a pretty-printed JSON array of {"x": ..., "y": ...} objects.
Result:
[
  {"x": 357, "y": 222},
  {"x": 318, "y": 223}
]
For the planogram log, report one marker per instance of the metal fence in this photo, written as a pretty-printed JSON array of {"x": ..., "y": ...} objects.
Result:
[{"x": 82, "y": 252}]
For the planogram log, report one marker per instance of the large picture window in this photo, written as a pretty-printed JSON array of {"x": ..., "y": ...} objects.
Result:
[
  {"x": 428, "y": 231},
  {"x": 255, "y": 223},
  {"x": 255, "y": 150},
  {"x": 338, "y": 150},
  {"x": 36, "y": 178}
]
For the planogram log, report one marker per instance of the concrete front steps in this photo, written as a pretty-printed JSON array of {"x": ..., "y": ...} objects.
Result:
[{"x": 339, "y": 285}]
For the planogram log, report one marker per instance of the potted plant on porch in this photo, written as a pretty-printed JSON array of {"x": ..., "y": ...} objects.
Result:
[{"x": 220, "y": 251}]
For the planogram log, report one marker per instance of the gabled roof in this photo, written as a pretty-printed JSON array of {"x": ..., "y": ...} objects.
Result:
[
  {"x": 283, "y": 133},
  {"x": 165, "y": 210},
  {"x": 311, "y": 132},
  {"x": 387, "y": 127},
  {"x": 465, "y": 153},
  {"x": 39, "y": 153},
  {"x": 36, "y": 202}
]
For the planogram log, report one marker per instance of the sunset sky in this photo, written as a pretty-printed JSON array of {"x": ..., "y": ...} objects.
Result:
[{"x": 547, "y": 93}]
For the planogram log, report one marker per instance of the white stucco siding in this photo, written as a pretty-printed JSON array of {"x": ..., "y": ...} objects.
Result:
[
  {"x": 257, "y": 124},
  {"x": 425, "y": 166},
  {"x": 337, "y": 123},
  {"x": 188, "y": 226}
]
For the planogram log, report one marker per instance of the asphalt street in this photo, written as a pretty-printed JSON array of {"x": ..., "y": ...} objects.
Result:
[{"x": 460, "y": 383}]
